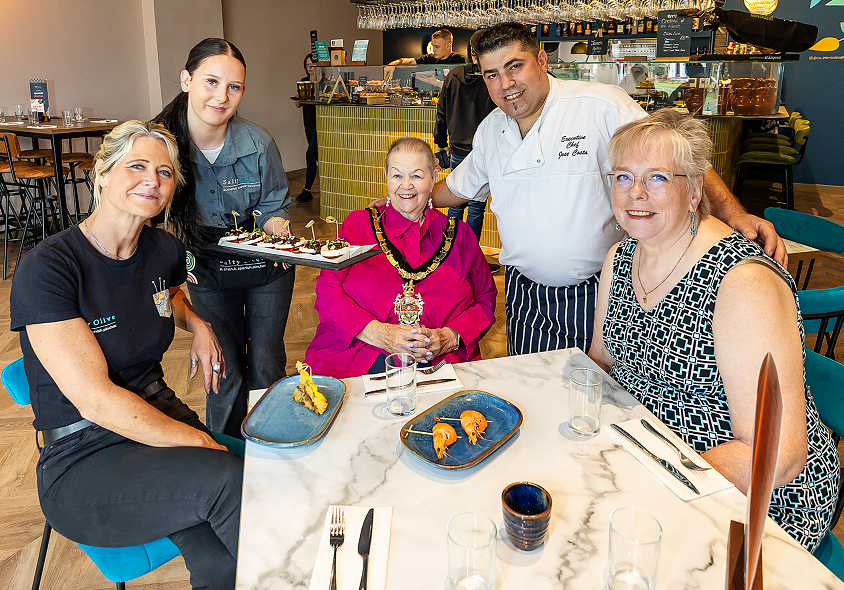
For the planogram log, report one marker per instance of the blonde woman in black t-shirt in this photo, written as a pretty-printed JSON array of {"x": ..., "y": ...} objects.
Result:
[{"x": 124, "y": 462}]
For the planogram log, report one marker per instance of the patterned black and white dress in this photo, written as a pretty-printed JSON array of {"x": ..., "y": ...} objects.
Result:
[{"x": 665, "y": 358}]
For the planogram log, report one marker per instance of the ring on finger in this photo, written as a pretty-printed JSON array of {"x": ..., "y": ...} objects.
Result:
[
  {"x": 194, "y": 363},
  {"x": 216, "y": 368}
]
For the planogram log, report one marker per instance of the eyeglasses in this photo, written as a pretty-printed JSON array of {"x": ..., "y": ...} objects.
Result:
[{"x": 655, "y": 181}]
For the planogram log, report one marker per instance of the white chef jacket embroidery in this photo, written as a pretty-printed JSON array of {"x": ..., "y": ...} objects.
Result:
[{"x": 550, "y": 194}]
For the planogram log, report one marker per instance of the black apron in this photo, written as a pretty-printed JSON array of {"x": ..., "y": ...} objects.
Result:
[{"x": 212, "y": 267}]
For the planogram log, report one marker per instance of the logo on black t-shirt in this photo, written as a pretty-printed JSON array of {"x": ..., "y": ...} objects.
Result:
[
  {"x": 161, "y": 298},
  {"x": 103, "y": 324}
]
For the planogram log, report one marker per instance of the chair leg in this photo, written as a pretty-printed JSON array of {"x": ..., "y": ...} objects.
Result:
[
  {"x": 788, "y": 188},
  {"x": 121, "y": 585},
  {"x": 808, "y": 273},
  {"x": 42, "y": 556}
]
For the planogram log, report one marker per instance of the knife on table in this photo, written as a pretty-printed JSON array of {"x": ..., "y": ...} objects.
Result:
[
  {"x": 418, "y": 384},
  {"x": 662, "y": 462},
  {"x": 363, "y": 545}
]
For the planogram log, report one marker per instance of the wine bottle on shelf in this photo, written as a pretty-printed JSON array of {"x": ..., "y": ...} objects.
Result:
[
  {"x": 649, "y": 26},
  {"x": 564, "y": 29},
  {"x": 558, "y": 30},
  {"x": 571, "y": 29},
  {"x": 579, "y": 29},
  {"x": 640, "y": 26},
  {"x": 611, "y": 27},
  {"x": 588, "y": 30}
]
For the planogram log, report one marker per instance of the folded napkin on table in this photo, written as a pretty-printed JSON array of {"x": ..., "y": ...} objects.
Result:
[
  {"x": 445, "y": 372},
  {"x": 707, "y": 482},
  {"x": 41, "y": 126},
  {"x": 102, "y": 120},
  {"x": 13, "y": 123},
  {"x": 349, "y": 562}
]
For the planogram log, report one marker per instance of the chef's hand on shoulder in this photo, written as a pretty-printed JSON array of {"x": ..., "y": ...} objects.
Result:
[{"x": 756, "y": 228}]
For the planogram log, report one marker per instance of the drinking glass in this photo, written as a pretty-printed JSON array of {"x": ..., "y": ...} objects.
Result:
[
  {"x": 77, "y": 114},
  {"x": 635, "y": 537},
  {"x": 585, "y": 401},
  {"x": 401, "y": 384},
  {"x": 471, "y": 552},
  {"x": 2, "y": 115},
  {"x": 19, "y": 111},
  {"x": 34, "y": 117},
  {"x": 67, "y": 118}
]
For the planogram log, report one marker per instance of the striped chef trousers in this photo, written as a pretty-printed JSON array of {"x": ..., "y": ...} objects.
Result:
[{"x": 541, "y": 318}]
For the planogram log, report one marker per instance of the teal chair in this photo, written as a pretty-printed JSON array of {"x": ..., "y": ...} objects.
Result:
[
  {"x": 826, "y": 382},
  {"x": 117, "y": 564},
  {"x": 810, "y": 230},
  {"x": 819, "y": 307}
]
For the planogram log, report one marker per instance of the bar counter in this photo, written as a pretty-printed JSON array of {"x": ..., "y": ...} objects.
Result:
[{"x": 353, "y": 141}]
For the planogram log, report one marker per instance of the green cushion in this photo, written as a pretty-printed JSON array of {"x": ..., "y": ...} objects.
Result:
[
  {"x": 766, "y": 158},
  {"x": 771, "y": 149},
  {"x": 767, "y": 138},
  {"x": 811, "y": 230}
]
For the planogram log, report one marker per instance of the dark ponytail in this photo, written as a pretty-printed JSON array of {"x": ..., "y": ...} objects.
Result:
[{"x": 183, "y": 210}]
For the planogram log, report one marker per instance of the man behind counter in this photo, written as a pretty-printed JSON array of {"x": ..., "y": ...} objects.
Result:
[{"x": 440, "y": 52}]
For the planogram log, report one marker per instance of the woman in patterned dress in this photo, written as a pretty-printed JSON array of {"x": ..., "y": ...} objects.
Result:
[{"x": 686, "y": 322}]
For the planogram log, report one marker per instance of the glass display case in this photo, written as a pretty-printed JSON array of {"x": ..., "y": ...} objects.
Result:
[
  {"x": 414, "y": 85},
  {"x": 725, "y": 88}
]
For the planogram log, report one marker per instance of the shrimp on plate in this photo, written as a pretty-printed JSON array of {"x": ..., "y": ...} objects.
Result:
[{"x": 474, "y": 424}]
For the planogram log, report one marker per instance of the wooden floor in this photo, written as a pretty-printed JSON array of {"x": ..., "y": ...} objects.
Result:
[{"x": 21, "y": 521}]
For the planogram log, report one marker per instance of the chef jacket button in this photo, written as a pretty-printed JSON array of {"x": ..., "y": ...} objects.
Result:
[
  {"x": 503, "y": 131},
  {"x": 539, "y": 161},
  {"x": 214, "y": 214},
  {"x": 212, "y": 192},
  {"x": 275, "y": 263}
]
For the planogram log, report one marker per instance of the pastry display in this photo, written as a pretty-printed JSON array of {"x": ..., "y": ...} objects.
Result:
[{"x": 306, "y": 393}]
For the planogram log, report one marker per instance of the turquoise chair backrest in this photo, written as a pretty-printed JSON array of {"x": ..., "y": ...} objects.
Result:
[
  {"x": 811, "y": 230},
  {"x": 14, "y": 380},
  {"x": 826, "y": 382}
]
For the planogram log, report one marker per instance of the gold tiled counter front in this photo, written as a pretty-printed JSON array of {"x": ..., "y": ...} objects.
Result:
[{"x": 353, "y": 142}]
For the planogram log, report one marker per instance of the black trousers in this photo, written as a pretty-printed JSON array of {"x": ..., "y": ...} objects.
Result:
[
  {"x": 311, "y": 157},
  {"x": 99, "y": 488},
  {"x": 249, "y": 325}
]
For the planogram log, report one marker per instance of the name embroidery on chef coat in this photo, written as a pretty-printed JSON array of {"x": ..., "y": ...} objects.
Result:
[
  {"x": 236, "y": 184},
  {"x": 571, "y": 146}
]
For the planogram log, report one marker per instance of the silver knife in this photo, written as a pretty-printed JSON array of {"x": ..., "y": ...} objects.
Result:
[
  {"x": 665, "y": 464},
  {"x": 418, "y": 384},
  {"x": 363, "y": 545}
]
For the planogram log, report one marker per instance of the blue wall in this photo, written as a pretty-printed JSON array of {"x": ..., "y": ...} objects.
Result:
[{"x": 815, "y": 87}]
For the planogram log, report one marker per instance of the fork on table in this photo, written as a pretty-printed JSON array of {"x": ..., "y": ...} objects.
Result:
[
  {"x": 685, "y": 461},
  {"x": 427, "y": 371},
  {"x": 336, "y": 536}
]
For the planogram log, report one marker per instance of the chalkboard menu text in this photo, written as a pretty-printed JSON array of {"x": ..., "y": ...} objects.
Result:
[{"x": 674, "y": 38}]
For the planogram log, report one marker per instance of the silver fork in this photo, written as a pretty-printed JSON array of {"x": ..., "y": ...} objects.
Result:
[
  {"x": 433, "y": 369},
  {"x": 685, "y": 461},
  {"x": 336, "y": 536}
]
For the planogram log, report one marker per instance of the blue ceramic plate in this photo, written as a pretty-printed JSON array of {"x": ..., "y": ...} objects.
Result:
[
  {"x": 278, "y": 421},
  {"x": 503, "y": 420}
]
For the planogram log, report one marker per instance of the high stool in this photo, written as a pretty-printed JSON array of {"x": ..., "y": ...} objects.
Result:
[
  {"x": 87, "y": 167},
  {"x": 74, "y": 159},
  {"x": 26, "y": 177}
]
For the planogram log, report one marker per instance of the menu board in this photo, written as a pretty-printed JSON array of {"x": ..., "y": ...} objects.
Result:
[
  {"x": 674, "y": 38},
  {"x": 596, "y": 46}
]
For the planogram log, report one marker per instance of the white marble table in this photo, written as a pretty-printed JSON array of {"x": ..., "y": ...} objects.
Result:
[{"x": 362, "y": 462}]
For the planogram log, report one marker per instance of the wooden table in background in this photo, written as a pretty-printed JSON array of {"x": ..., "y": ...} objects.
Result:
[{"x": 55, "y": 135}]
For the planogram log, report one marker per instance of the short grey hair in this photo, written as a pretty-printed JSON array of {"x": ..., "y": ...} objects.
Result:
[
  {"x": 416, "y": 146},
  {"x": 117, "y": 144},
  {"x": 681, "y": 137}
]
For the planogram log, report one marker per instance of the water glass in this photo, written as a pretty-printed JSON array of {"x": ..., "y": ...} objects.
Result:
[
  {"x": 585, "y": 401},
  {"x": 67, "y": 118},
  {"x": 471, "y": 552},
  {"x": 34, "y": 117},
  {"x": 19, "y": 111},
  {"x": 401, "y": 384},
  {"x": 2, "y": 115},
  {"x": 77, "y": 114},
  {"x": 635, "y": 537}
]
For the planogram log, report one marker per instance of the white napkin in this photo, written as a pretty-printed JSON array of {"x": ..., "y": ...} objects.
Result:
[
  {"x": 349, "y": 562},
  {"x": 41, "y": 126},
  {"x": 445, "y": 372},
  {"x": 102, "y": 120},
  {"x": 707, "y": 482},
  {"x": 12, "y": 123}
]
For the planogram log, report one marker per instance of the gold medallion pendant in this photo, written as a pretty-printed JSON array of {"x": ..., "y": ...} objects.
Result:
[{"x": 408, "y": 305}]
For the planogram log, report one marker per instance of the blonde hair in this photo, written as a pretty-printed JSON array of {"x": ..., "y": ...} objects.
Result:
[
  {"x": 416, "y": 146},
  {"x": 681, "y": 137},
  {"x": 117, "y": 144},
  {"x": 443, "y": 34}
]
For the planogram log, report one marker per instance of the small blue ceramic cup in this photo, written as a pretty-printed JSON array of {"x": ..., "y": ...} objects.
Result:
[{"x": 527, "y": 511}]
